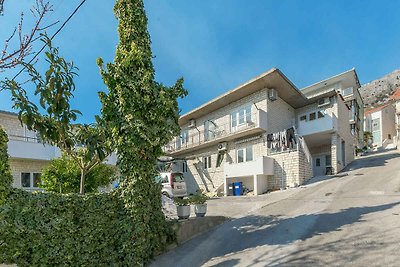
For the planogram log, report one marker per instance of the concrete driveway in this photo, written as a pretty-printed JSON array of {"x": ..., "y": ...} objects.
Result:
[{"x": 352, "y": 220}]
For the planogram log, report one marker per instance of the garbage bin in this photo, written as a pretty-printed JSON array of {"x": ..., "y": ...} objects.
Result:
[
  {"x": 237, "y": 188},
  {"x": 230, "y": 189}
]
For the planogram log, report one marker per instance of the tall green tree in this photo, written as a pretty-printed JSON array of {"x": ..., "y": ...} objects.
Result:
[{"x": 142, "y": 116}]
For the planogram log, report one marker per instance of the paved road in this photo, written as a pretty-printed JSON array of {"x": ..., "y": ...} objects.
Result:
[{"x": 352, "y": 220}]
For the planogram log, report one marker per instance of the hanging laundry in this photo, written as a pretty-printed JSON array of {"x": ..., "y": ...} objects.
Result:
[
  {"x": 270, "y": 139},
  {"x": 291, "y": 137}
]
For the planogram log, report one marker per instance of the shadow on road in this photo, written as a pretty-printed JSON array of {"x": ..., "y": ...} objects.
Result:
[
  {"x": 372, "y": 160},
  {"x": 253, "y": 231}
]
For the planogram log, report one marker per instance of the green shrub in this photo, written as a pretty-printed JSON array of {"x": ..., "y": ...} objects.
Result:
[
  {"x": 63, "y": 176},
  {"x": 47, "y": 229},
  {"x": 5, "y": 175}
]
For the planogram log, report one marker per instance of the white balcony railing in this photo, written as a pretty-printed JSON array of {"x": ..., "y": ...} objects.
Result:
[
  {"x": 258, "y": 166},
  {"x": 218, "y": 132},
  {"x": 25, "y": 147},
  {"x": 328, "y": 123}
]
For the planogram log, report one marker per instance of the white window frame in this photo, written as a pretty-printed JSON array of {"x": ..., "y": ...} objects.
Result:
[
  {"x": 245, "y": 151},
  {"x": 31, "y": 175},
  {"x": 207, "y": 162},
  {"x": 247, "y": 116}
]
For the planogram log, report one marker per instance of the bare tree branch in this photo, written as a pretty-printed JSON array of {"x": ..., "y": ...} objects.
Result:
[{"x": 10, "y": 59}]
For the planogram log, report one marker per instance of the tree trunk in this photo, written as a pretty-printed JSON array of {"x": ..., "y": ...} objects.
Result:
[{"x": 82, "y": 185}]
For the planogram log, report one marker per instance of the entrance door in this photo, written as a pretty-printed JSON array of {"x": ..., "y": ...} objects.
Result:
[{"x": 319, "y": 165}]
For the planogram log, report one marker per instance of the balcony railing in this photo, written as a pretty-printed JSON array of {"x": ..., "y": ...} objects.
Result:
[
  {"x": 24, "y": 138},
  {"x": 325, "y": 124},
  {"x": 219, "y": 132}
]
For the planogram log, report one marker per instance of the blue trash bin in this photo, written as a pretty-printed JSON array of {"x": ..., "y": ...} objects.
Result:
[{"x": 237, "y": 188}]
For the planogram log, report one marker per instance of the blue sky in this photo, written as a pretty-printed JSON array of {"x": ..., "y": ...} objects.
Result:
[{"x": 217, "y": 45}]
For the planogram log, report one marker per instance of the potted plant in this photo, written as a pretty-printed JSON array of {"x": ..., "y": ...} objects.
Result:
[
  {"x": 199, "y": 200},
  {"x": 182, "y": 207}
]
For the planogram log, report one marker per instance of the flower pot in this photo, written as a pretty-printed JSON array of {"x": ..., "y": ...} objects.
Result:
[
  {"x": 200, "y": 210},
  {"x": 183, "y": 212}
]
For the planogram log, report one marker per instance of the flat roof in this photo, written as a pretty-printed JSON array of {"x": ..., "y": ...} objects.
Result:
[
  {"x": 347, "y": 78},
  {"x": 273, "y": 78}
]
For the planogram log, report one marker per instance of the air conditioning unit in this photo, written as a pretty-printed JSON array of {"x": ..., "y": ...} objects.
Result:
[
  {"x": 192, "y": 124},
  {"x": 324, "y": 101},
  {"x": 272, "y": 94},
  {"x": 222, "y": 146}
]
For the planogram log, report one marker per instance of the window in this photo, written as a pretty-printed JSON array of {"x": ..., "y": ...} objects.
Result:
[
  {"x": 241, "y": 116},
  {"x": 347, "y": 91},
  {"x": 26, "y": 179},
  {"x": 389, "y": 136},
  {"x": 185, "y": 136},
  {"x": 209, "y": 130},
  {"x": 303, "y": 118},
  {"x": 30, "y": 180},
  {"x": 184, "y": 166},
  {"x": 312, "y": 116},
  {"x": 244, "y": 154},
  {"x": 320, "y": 114},
  {"x": 207, "y": 162},
  {"x": 317, "y": 162}
]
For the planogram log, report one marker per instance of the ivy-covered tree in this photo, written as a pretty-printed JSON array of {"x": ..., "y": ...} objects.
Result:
[
  {"x": 54, "y": 119},
  {"x": 5, "y": 175},
  {"x": 142, "y": 116}
]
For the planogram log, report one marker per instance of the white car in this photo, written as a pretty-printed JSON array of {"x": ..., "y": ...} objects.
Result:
[{"x": 173, "y": 184}]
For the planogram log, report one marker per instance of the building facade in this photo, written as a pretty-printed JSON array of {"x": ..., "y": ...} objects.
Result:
[
  {"x": 266, "y": 134},
  {"x": 347, "y": 85},
  {"x": 28, "y": 155},
  {"x": 380, "y": 122}
]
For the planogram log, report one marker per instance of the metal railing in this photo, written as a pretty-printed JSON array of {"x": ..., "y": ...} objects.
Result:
[
  {"x": 215, "y": 131},
  {"x": 24, "y": 138}
]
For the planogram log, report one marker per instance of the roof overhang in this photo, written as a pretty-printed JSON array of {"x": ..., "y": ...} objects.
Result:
[
  {"x": 347, "y": 79},
  {"x": 273, "y": 78}
]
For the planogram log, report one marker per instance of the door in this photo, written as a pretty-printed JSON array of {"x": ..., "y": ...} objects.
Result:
[{"x": 319, "y": 165}]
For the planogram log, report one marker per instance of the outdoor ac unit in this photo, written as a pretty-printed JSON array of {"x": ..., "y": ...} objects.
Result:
[
  {"x": 272, "y": 94},
  {"x": 324, "y": 101},
  {"x": 192, "y": 124},
  {"x": 222, "y": 146}
]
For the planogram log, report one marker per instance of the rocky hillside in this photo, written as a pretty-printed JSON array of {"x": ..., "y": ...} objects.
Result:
[{"x": 377, "y": 92}]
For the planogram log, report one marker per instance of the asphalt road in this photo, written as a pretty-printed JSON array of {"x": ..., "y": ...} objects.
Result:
[{"x": 352, "y": 220}]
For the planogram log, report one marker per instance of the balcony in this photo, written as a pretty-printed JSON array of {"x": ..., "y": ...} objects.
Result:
[
  {"x": 326, "y": 124},
  {"x": 23, "y": 147},
  {"x": 259, "y": 166},
  {"x": 219, "y": 133}
]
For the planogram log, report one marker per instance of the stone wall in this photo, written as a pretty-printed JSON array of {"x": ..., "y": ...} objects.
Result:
[{"x": 291, "y": 169}]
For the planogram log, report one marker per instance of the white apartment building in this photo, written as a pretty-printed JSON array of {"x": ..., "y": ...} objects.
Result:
[
  {"x": 380, "y": 122},
  {"x": 347, "y": 84},
  {"x": 28, "y": 155},
  {"x": 266, "y": 134}
]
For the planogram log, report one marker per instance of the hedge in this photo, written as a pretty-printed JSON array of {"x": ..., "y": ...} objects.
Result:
[{"x": 49, "y": 229}]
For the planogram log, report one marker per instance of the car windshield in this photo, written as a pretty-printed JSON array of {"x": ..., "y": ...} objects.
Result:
[{"x": 178, "y": 177}]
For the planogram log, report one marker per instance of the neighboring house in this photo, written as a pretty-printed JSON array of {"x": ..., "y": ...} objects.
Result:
[
  {"x": 395, "y": 98},
  {"x": 380, "y": 122},
  {"x": 28, "y": 155},
  {"x": 347, "y": 84},
  {"x": 264, "y": 133}
]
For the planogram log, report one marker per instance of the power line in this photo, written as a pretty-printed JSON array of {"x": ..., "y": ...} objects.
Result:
[{"x": 51, "y": 38}]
